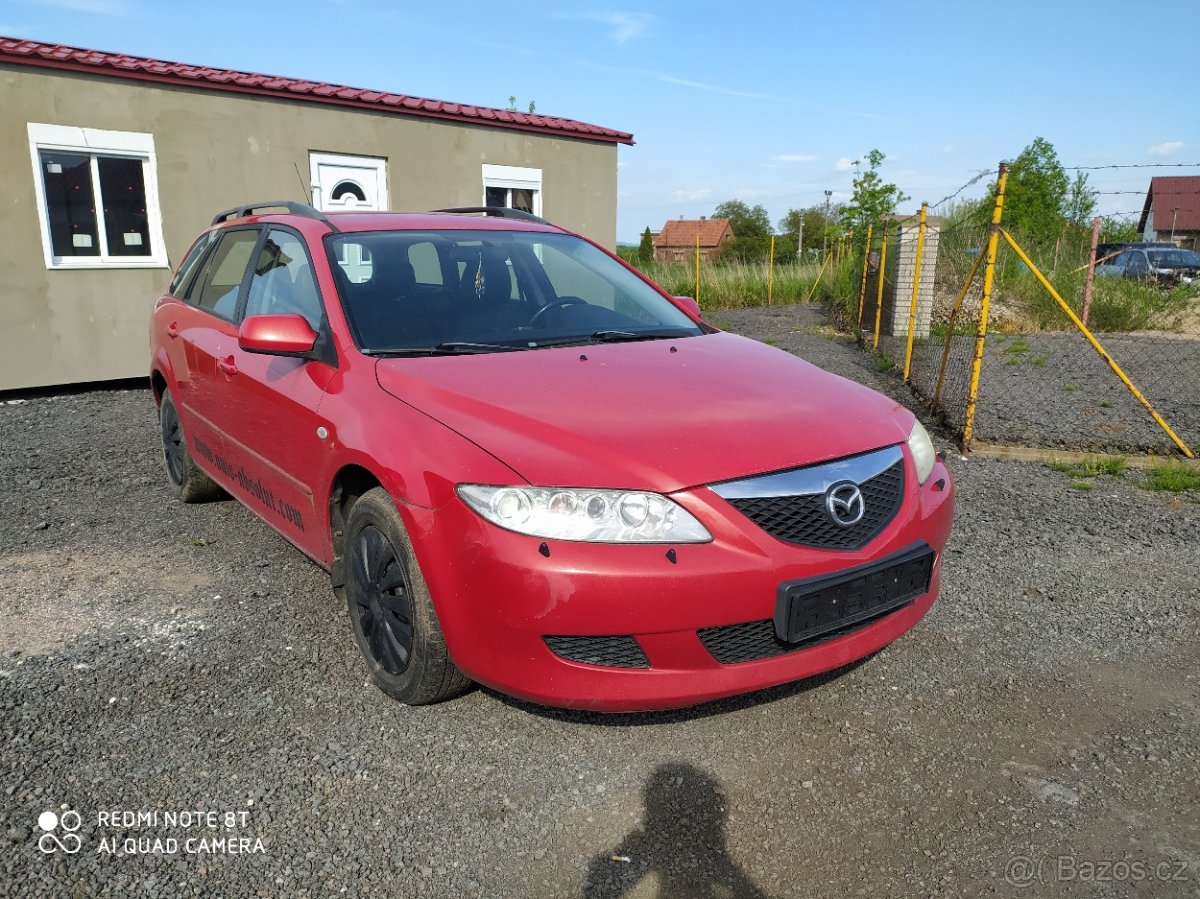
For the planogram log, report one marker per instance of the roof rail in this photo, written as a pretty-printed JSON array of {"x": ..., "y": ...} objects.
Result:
[
  {"x": 502, "y": 212},
  {"x": 301, "y": 209}
]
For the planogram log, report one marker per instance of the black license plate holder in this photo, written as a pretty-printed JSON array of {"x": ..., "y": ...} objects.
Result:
[{"x": 810, "y": 607}]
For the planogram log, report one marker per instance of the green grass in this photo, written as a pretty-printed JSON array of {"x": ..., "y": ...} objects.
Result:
[
  {"x": 1018, "y": 346},
  {"x": 1040, "y": 359},
  {"x": 1083, "y": 485},
  {"x": 1068, "y": 387},
  {"x": 736, "y": 284},
  {"x": 1092, "y": 466},
  {"x": 1105, "y": 404},
  {"x": 884, "y": 363},
  {"x": 1173, "y": 477},
  {"x": 1117, "y": 305}
]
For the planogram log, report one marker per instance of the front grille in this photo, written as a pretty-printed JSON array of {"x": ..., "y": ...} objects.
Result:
[
  {"x": 753, "y": 640},
  {"x": 802, "y": 519},
  {"x": 608, "y": 652}
]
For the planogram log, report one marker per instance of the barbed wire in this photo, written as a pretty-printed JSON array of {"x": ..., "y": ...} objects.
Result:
[{"x": 1132, "y": 165}]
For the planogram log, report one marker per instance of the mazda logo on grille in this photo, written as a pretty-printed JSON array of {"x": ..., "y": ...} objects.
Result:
[{"x": 844, "y": 504}]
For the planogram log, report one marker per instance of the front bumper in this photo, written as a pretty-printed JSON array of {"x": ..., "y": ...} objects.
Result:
[{"x": 499, "y": 595}]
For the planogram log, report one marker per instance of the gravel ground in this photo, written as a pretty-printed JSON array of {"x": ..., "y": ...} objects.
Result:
[
  {"x": 1041, "y": 722},
  {"x": 1053, "y": 390}
]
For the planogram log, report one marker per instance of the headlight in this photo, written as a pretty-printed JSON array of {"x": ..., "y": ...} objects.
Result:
[
  {"x": 921, "y": 448},
  {"x": 593, "y": 516}
]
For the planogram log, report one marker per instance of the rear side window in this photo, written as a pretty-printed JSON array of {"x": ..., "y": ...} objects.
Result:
[
  {"x": 217, "y": 286},
  {"x": 183, "y": 277}
]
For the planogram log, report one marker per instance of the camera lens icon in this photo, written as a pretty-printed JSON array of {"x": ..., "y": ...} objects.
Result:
[{"x": 50, "y": 842}]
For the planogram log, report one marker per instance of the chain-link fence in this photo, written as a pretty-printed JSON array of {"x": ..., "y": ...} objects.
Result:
[{"x": 1033, "y": 344}]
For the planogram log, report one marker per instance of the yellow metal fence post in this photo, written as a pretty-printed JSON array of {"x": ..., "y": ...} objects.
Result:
[
  {"x": 989, "y": 278},
  {"x": 862, "y": 290},
  {"x": 697, "y": 268},
  {"x": 771, "y": 271},
  {"x": 879, "y": 287},
  {"x": 1096, "y": 345},
  {"x": 828, "y": 257},
  {"x": 916, "y": 291}
]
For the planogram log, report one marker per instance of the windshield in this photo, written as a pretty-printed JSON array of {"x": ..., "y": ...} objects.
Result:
[
  {"x": 1173, "y": 258},
  {"x": 427, "y": 292}
]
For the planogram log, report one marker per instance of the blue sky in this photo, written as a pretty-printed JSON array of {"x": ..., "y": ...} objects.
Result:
[{"x": 765, "y": 102}]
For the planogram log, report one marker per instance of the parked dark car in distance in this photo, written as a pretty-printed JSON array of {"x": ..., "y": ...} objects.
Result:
[{"x": 1165, "y": 265}]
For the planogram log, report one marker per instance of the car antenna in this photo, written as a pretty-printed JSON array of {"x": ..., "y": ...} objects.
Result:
[{"x": 304, "y": 190}]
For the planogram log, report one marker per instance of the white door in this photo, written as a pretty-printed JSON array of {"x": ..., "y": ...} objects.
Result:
[{"x": 348, "y": 182}]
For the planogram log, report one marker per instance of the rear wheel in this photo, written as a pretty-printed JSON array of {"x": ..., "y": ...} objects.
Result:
[
  {"x": 391, "y": 613},
  {"x": 187, "y": 481}
]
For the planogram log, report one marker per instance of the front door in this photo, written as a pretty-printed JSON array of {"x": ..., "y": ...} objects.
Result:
[{"x": 348, "y": 182}]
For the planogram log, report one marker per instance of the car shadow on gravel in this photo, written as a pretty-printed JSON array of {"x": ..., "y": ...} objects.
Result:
[{"x": 691, "y": 713}]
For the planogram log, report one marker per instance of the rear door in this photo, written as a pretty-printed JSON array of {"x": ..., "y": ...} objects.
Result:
[{"x": 206, "y": 329}]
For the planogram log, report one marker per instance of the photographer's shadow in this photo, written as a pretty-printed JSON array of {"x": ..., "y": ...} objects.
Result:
[{"x": 681, "y": 844}]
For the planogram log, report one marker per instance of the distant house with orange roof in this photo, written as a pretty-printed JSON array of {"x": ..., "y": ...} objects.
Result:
[{"x": 676, "y": 241}]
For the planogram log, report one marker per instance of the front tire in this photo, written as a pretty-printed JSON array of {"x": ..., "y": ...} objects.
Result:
[
  {"x": 187, "y": 481},
  {"x": 391, "y": 613}
]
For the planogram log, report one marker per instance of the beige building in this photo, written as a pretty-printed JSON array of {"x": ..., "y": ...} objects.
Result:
[{"x": 111, "y": 165}]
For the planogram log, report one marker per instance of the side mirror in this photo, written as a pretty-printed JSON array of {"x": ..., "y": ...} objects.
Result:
[
  {"x": 277, "y": 335},
  {"x": 690, "y": 306}
]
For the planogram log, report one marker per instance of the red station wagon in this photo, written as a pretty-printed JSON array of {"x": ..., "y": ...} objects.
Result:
[{"x": 525, "y": 465}]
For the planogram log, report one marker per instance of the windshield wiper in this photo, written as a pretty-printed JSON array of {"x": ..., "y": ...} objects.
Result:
[
  {"x": 612, "y": 335},
  {"x": 448, "y": 348}
]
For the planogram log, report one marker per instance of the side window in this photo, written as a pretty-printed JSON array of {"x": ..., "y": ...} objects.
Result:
[
  {"x": 216, "y": 287},
  {"x": 513, "y": 187},
  {"x": 1137, "y": 262},
  {"x": 283, "y": 280},
  {"x": 183, "y": 277}
]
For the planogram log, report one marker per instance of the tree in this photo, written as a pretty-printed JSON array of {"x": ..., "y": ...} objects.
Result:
[
  {"x": 645, "y": 251},
  {"x": 746, "y": 222},
  {"x": 873, "y": 199},
  {"x": 1040, "y": 201},
  {"x": 817, "y": 226},
  {"x": 751, "y": 232},
  {"x": 1080, "y": 206}
]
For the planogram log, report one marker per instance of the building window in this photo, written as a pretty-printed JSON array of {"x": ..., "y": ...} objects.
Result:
[
  {"x": 97, "y": 197},
  {"x": 513, "y": 187}
]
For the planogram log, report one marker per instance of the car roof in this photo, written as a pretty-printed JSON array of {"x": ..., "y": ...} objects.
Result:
[{"x": 433, "y": 221}]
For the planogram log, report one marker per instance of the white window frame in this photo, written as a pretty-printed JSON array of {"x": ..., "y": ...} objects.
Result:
[
  {"x": 512, "y": 176},
  {"x": 93, "y": 142}
]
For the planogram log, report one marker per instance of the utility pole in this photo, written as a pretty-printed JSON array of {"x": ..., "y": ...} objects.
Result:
[
  {"x": 1174, "y": 215},
  {"x": 825, "y": 241},
  {"x": 800, "y": 242}
]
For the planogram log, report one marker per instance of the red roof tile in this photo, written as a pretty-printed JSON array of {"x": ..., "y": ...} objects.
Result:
[
  {"x": 1167, "y": 192},
  {"x": 14, "y": 51},
  {"x": 682, "y": 232}
]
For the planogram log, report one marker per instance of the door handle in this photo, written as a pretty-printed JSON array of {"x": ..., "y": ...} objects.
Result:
[
  {"x": 228, "y": 366},
  {"x": 172, "y": 330}
]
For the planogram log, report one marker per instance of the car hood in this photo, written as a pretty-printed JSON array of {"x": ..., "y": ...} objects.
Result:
[{"x": 659, "y": 415}]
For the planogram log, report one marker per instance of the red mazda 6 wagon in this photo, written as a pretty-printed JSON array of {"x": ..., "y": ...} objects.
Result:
[{"x": 525, "y": 465}]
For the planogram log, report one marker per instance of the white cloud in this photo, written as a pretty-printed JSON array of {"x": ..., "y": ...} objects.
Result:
[
  {"x": 948, "y": 148},
  {"x": 624, "y": 26},
  {"x": 793, "y": 157},
  {"x": 687, "y": 196},
  {"x": 844, "y": 164},
  {"x": 1170, "y": 148},
  {"x": 715, "y": 88}
]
